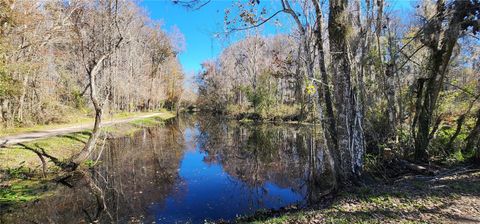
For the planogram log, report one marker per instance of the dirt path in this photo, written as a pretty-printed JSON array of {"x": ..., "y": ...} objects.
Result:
[{"x": 30, "y": 136}]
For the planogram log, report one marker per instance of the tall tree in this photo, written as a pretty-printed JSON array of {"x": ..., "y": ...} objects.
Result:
[
  {"x": 441, "y": 38},
  {"x": 351, "y": 142},
  {"x": 95, "y": 45}
]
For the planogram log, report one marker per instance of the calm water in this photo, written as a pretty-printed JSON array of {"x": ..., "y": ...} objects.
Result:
[{"x": 193, "y": 169}]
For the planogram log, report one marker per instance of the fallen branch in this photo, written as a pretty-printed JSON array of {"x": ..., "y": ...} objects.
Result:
[
  {"x": 413, "y": 167},
  {"x": 69, "y": 166},
  {"x": 4, "y": 144},
  {"x": 63, "y": 180},
  {"x": 456, "y": 171}
]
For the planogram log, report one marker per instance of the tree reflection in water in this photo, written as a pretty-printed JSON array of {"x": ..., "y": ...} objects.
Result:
[
  {"x": 193, "y": 169},
  {"x": 289, "y": 156},
  {"x": 133, "y": 172}
]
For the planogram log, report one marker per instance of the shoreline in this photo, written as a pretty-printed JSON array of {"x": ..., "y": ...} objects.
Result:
[
  {"x": 21, "y": 178},
  {"x": 71, "y": 141},
  {"x": 449, "y": 198}
]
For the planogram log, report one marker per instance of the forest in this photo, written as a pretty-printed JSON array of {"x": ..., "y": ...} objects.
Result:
[
  {"x": 54, "y": 53},
  {"x": 371, "y": 80},
  {"x": 351, "y": 111}
]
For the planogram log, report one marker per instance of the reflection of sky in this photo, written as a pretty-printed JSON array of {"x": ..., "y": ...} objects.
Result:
[{"x": 209, "y": 193}]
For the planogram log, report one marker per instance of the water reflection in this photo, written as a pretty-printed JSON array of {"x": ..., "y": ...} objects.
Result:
[{"x": 194, "y": 169}]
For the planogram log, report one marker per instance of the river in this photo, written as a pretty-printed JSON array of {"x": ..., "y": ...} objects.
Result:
[{"x": 192, "y": 169}]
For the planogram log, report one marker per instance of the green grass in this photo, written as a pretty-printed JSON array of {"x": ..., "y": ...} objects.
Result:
[
  {"x": 22, "y": 191},
  {"x": 146, "y": 122},
  {"x": 246, "y": 120},
  {"x": 62, "y": 147},
  {"x": 131, "y": 114},
  {"x": 127, "y": 129},
  {"x": 286, "y": 218}
]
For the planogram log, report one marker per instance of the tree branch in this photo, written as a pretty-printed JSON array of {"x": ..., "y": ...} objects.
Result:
[{"x": 258, "y": 24}]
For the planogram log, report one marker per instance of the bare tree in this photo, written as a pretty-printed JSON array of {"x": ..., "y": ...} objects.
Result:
[{"x": 90, "y": 41}]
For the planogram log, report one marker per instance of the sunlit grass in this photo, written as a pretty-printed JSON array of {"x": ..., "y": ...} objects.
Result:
[
  {"x": 408, "y": 201},
  {"x": 61, "y": 147},
  {"x": 22, "y": 191}
]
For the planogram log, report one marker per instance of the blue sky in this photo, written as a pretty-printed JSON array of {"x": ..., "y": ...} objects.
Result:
[{"x": 199, "y": 26}]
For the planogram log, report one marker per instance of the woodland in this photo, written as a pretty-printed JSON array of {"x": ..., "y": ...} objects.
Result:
[
  {"x": 371, "y": 80},
  {"x": 57, "y": 57}
]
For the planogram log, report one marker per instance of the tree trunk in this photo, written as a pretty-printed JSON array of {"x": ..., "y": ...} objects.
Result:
[
  {"x": 309, "y": 64},
  {"x": 473, "y": 139},
  {"x": 84, "y": 154},
  {"x": 428, "y": 105},
  {"x": 349, "y": 120},
  {"x": 324, "y": 91},
  {"x": 437, "y": 70},
  {"x": 22, "y": 98},
  {"x": 390, "y": 93},
  {"x": 5, "y": 112},
  {"x": 449, "y": 146},
  {"x": 477, "y": 153}
]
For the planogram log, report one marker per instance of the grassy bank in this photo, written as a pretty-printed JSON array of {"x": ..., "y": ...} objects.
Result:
[
  {"x": 447, "y": 198},
  {"x": 20, "y": 168},
  {"x": 22, "y": 190},
  {"x": 277, "y": 113},
  {"x": 71, "y": 120}
]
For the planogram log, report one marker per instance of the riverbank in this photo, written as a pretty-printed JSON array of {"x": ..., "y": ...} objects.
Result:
[
  {"x": 450, "y": 197},
  {"x": 21, "y": 169},
  {"x": 277, "y": 113},
  {"x": 65, "y": 143}
]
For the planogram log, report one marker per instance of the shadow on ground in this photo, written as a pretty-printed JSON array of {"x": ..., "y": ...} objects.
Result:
[{"x": 449, "y": 198}]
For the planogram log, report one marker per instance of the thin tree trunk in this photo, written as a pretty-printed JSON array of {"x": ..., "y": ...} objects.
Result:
[
  {"x": 22, "y": 98},
  {"x": 390, "y": 94},
  {"x": 3, "y": 110},
  {"x": 90, "y": 145},
  {"x": 460, "y": 122},
  {"x": 449, "y": 146},
  {"x": 306, "y": 48},
  {"x": 325, "y": 91}
]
